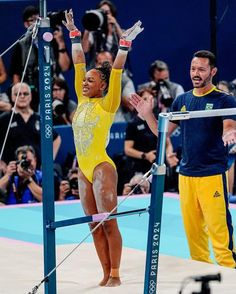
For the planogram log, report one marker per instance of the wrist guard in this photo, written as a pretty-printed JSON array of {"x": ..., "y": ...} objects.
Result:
[
  {"x": 124, "y": 44},
  {"x": 75, "y": 36}
]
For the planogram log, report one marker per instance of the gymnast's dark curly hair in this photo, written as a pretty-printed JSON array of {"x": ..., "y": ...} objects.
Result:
[{"x": 105, "y": 71}]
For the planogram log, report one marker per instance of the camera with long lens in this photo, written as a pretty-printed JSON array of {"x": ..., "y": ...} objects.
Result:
[
  {"x": 165, "y": 96},
  {"x": 73, "y": 184},
  {"x": 95, "y": 19},
  {"x": 56, "y": 18},
  {"x": 58, "y": 107},
  {"x": 24, "y": 163},
  {"x": 137, "y": 189}
]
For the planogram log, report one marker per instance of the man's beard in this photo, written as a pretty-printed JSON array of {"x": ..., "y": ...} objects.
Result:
[{"x": 202, "y": 83}]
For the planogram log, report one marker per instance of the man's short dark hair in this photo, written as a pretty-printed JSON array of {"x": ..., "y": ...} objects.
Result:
[
  {"x": 157, "y": 65},
  {"x": 29, "y": 11},
  {"x": 206, "y": 54}
]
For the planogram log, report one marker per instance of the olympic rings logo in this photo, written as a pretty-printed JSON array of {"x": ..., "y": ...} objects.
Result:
[
  {"x": 48, "y": 131},
  {"x": 152, "y": 287}
]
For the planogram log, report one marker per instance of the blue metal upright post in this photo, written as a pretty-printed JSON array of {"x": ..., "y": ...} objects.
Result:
[
  {"x": 154, "y": 229},
  {"x": 45, "y": 36}
]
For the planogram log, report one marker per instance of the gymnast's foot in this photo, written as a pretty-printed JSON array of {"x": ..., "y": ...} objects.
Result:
[
  {"x": 113, "y": 282},
  {"x": 104, "y": 280}
]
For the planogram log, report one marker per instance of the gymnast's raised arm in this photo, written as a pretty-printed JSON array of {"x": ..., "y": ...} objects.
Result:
[{"x": 75, "y": 36}]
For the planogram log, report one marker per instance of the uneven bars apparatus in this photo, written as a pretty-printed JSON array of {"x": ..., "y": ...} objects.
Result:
[
  {"x": 155, "y": 209},
  {"x": 46, "y": 129},
  {"x": 158, "y": 171}
]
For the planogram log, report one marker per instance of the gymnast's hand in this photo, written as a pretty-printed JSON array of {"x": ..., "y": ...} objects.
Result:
[
  {"x": 69, "y": 23},
  {"x": 131, "y": 33}
]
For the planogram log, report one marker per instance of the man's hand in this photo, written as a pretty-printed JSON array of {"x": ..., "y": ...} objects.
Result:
[
  {"x": 25, "y": 173},
  {"x": 172, "y": 159},
  {"x": 11, "y": 168},
  {"x": 229, "y": 137},
  {"x": 151, "y": 156},
  {"x": 127, "y": 189},
  {"x": 111, "y": 19},
  {"x": 64, "y": 188},
  {"x": 143, "y": 107}
]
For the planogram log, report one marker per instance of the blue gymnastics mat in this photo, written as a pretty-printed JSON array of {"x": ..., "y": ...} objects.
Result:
[{"x": 25, "y": 223}]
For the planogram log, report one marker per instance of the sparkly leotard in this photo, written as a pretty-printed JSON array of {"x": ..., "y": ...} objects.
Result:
[{"x": 92, "y": 122}]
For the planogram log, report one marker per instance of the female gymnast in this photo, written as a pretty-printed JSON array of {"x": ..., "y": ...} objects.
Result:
[{"x": 98, "y": 92}]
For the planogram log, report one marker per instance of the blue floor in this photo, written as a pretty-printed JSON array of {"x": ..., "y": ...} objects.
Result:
[{"x": 25, "y": 223}]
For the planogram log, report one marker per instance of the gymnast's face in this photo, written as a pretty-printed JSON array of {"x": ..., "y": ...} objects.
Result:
[
  {"x": 201, "y": 72},
  {"x": 93, "y": 86}
]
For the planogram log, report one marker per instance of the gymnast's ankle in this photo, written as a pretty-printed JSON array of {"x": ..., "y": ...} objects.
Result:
[{"x": 114, "y": 279}]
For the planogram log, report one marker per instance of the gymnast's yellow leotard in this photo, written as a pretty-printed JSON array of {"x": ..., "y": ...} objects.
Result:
[{"x": 92, "y": 121}]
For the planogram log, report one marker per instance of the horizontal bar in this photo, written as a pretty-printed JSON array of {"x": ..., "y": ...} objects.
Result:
[
  {"x": 181, "y": 115},
  {"x": 90, "y": 218}
]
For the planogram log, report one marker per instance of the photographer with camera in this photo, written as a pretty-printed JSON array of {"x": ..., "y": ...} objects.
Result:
[
  {"x": 22, "y": 181},
  {"x": 25, "y": 126},
  {"x": 143, "y": 188},
  {"x": 102, "y": 31},
  {"x": 165, "y": 91},
  {"x": 5, "y": 104},
  {"x": 60, "y": 60},
  {"x": 69, "y": 189},
  {"x": 140, "y": 143},
  {"x": 63, "y": 107}
]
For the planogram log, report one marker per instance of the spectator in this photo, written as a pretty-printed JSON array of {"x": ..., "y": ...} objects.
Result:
[
  {"x": 3, "y": 73},
  {"x": 125, "y": 110},
  {"x": 63, "y": 107},
  {"x": 22, "y": 181},
  {"x": 69, "y": 189},
  {"x": 142, "y": 188},
  {"x": 105, "y": 38},
  {"x": 5, "y": 104},
  {"x": 25, "y": 126},
  {"x": 225, "y": 86},
  {"x": 165, "y": 90},
  {"x": 203, "y": 178},
  {"x": 3, "y": 168},
  {"x": 60, "y": 59},
  {"x": 140, "y": 143}
]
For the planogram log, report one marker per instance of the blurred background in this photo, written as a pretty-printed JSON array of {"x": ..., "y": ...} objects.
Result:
[{"x": 173, "y": 31}]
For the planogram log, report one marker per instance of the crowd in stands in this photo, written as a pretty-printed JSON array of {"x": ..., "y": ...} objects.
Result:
[{"x": 20, "y": 164}]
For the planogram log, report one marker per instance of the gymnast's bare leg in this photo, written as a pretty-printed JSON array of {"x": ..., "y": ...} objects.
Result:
[
  {"x": 105, "y": 192},
  {"x": 97, "y": 198}
]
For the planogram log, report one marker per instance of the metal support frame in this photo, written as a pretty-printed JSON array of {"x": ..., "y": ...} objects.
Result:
[
  {"x": 47, "y": 153},
  {"x": 90, "y": 218},
  {"x": 152, "y": 255},
  {"x": 154, "y": 229}
]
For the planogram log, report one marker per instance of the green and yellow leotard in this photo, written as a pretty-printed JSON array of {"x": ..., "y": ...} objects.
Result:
[{"x": 92, "y": 122}]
